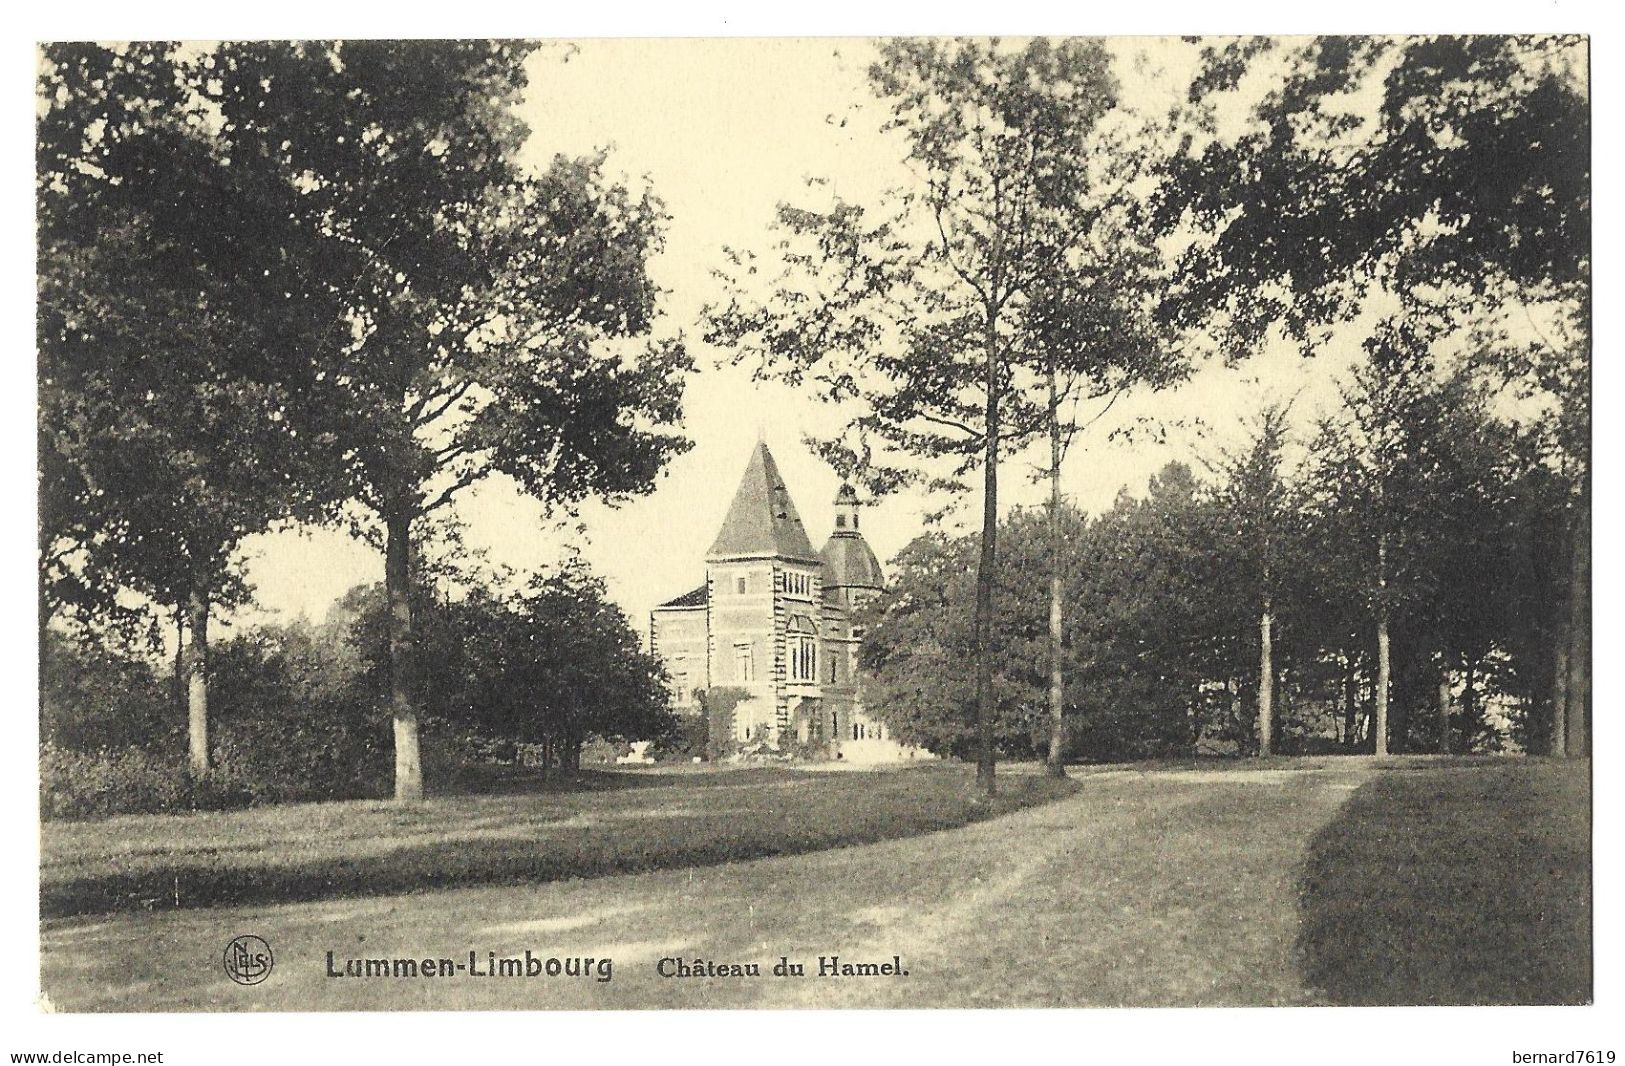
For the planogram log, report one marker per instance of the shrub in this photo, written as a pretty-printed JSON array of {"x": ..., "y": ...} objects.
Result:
[
  {"x": 687, "y": 739},
  {"x": 292, "y": 719},
  {"x": 80, "y": 784},
  {"x": 719, "y": 704},
  {"x": 94, "y": 697}
]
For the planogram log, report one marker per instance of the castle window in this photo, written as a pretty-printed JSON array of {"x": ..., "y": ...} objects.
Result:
[
  {"x": 834, "y": 670},
  {"x": 744, "y": 663},
  {"x": 740, "y": 585},
  {"x": 840, "y": 521},
  {"x": 803, "y": 652},
  {"x": 797, "y": 584}
]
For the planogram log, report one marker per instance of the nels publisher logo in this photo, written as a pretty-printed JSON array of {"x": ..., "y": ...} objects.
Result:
[{"x": 248, "y": 960}]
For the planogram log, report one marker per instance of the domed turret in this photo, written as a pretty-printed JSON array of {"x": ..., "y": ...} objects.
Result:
[
  {"x": 849, "y": 563},
  {"x": 846, "y": 509}
]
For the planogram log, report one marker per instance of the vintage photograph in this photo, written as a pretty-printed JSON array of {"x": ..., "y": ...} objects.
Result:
[{"x": 908, "y": 522}]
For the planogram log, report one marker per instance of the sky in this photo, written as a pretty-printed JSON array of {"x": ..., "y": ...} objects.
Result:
[{"x": 723, "y": 130}]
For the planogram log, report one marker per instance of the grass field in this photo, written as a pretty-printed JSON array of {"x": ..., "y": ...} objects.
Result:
[
  {"x": 1454, "y": 884},
  {"x": 1276, "y": 882},
  {"x": 521, "y": 830}
]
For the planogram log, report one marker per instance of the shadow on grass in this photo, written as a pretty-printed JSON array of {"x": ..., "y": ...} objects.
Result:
[
  {"x": 496, "y": 780},
  {"x": 812, "y": 814},
  {"x": 1442, "y": 885}
]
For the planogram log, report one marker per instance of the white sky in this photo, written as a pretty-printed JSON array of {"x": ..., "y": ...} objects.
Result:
[{"x": 723, "y": 130}]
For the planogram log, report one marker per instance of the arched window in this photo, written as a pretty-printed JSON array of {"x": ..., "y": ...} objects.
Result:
[{"x": 801, "y": 647}]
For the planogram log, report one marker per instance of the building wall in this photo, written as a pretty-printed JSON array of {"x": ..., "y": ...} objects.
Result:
[
  {"x": 744, "y": 636},
  {"x": 798, "y": 614},
  {"x": 677, "y": 635},
  {"x": 740, "y": 608}
]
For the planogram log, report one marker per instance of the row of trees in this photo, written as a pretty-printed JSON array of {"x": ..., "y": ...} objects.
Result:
[
  {"x": 302, "y": 710},
  {"x": 310, "y": 282},
  {"x": 1054, "y": 249},
  {"x": 1380, "y": 578},
  {"x": 286, "y": 282}
]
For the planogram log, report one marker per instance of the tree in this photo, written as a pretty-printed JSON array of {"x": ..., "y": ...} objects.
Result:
[
  {"x": 919, "y": 320},
  {"x": 1411, "y": 465},
  {"x": 1093, "y": 337},
  {"x": 559, "y": 663},
  {"x": 492, "y": 313},
  {"x": 1147, "y": 603},
  {"x": 1466, "y": 187},
  {"x": 168, "y": 434},
  {"x": 1259, "y": 515},
  {"x": 919, "y": 642}
]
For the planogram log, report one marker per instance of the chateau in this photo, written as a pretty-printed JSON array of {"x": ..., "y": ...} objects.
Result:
[{"x": 775, "y": 619}]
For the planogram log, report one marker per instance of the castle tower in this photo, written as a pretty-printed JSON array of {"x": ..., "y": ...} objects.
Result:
[
  {"x": 764, "y": 591},
  {"x": 851, "y": 570},
  {"x": 852, "y": 576}
]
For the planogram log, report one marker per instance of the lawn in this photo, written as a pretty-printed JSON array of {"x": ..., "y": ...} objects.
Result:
[
  {"x": 1186, "y": 883},
  {"x": 525, "y": 831},
  {"x": 1454, "y": 884}
]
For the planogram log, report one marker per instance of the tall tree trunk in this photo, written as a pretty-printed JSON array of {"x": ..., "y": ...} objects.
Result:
[
  {"x": 1057, "y": 683},
  {"x": 1560, "y": 695},
  {"x": 178, "y": 685},
  {"x": 1266, "y": 680},
  {"x": 1351, "y": 709},
  {"x": 1379, "y": 727},
  {"x": 986, "y": 565},
  {"x": 197, "y": 683},
  {"x": 1578, "y": 707},
  {"x": 1469, "y": 706},
  {"x": 1444, "y": 706},
  {"x": 402, "y": 697}
]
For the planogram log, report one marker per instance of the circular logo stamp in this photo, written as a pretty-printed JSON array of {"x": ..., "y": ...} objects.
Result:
[{"x": 248, "y": 960}]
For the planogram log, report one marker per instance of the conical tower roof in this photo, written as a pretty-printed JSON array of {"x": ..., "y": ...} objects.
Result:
[{"x": 762, "y": 521}]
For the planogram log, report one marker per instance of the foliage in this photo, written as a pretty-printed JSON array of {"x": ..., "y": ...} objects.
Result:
[
  {"x": 1165, "y": 590},
  {"x": 553, "y": 665},
  {"x": 301, "y": 709},
  {"x": 935, "y": 315},
  {"x": 718, "y": 705},
  {"x": 130, "y": 780},
  {"x": 481, "y": 297},
  {"x": 492, "y": 310},
  {"x": 295, "y": 716},
  {"x": 1471, "y": 172},
  {"x": 104, "y": 696},
  {"x": 166, "y": 433},
  {"x": 1453, "y": 173},
  {"x": 917, "y": 650}
]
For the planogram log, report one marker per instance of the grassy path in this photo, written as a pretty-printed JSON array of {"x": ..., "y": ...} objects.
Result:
[{"x": 1157, "y": 886}]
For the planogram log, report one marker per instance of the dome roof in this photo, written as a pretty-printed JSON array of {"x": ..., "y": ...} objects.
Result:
[{"x": 849, "y": 563}]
